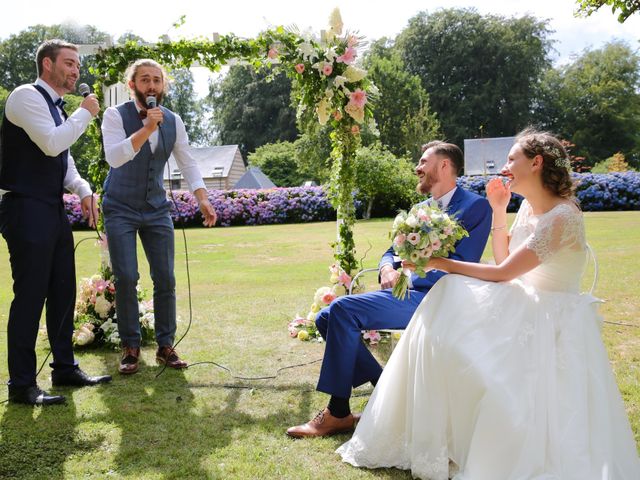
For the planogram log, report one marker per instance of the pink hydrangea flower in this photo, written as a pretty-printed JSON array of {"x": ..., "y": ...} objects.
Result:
[
  {"x": 273, "y": 53},
  {"x": 355, "y": 130},
  {"x": 300, "y": 68},
  {"x": 327, "y": 69}
]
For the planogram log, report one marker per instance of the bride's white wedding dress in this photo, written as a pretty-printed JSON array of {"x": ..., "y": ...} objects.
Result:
[{"x": 504, "y": 381}]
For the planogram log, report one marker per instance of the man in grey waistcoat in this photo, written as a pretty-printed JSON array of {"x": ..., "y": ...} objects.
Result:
[{"x": 139, "y": 136}]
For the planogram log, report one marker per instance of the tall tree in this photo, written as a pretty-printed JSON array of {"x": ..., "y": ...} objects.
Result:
[
  {"x": 250, "y": 111},
  {"x": 4, "y": 93},
  {"x": 595, "y": 103},
  {"x": 402, "y": 111},
  {"x": 181, "y": 98},
  {"x": 624, "y": 7},
  {"x": 18, "y": 51},
  {"x": 481, "y": 72}
]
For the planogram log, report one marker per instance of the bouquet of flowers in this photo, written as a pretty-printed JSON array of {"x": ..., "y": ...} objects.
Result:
[
  {"x": 425, "y": 232},
  {"x": 95, "y": 311}
]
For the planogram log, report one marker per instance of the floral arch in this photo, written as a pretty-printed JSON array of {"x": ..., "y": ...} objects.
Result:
[{"x": 329, "y": 88}]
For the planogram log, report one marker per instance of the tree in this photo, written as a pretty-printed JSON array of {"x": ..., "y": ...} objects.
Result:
[
  {"x": 402, "y": 112},
  {"x": 181, "y": 98},
  {"x": 384, "y": 182},
  {"x": 278, "y": 162},
  {"x": 17, "y": 53},
  {"x": 4, "y": 93},
  {"x": 595, "y": 103},
  {"x": 250, "y": 111},
  {"x": 626, "y": 7},
  {"x": 481, "y": 72}
]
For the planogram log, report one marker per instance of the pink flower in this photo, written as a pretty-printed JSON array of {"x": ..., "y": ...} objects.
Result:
[
  {"x": 344, "y": 279},
  {"x": 413, "y": 238},
  {"x": 300, "y": 68},
  {"x": 355, "y": 130},
  {"x": 327, "y": 298},
  {"x": 352, "y": 41},
  {"x": 436, "y": 244},
  {"x": 327, "y": 68},
  {"x": 448, "y": 230},
  {"x": 358, "y": 98},
  {"x": 337, "y": 115},
  {"x": 273, "y": 53},
  {"x": 400, "y": 239},
  {"x": 348, "y": 56},
  {"x": 373, "y": 337}
]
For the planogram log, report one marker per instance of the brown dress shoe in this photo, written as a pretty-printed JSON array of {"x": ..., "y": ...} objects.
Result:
[
  {"x": 129, "y": 361},
  {"x": 322, "y": 425},
  {"x": 167, "y": 355}
]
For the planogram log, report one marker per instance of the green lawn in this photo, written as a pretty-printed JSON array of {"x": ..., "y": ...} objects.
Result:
[{"x": 247, "y": 283}]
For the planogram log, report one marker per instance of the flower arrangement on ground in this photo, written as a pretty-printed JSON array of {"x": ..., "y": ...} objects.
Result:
[
  {"x": 304, "y": 328},
  {"x": 95, "y": 311},
  {"x": 424, "y": 232}
]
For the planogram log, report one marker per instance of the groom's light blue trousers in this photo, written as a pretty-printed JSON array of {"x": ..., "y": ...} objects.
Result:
[
  {"x": 347, "y": 362},
  {"x": 155, "y": 228}
]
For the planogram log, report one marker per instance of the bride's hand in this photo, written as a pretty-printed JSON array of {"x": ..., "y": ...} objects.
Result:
[
  {"x": 408, "y": 265},
  {"x": 498, "y": 194}
]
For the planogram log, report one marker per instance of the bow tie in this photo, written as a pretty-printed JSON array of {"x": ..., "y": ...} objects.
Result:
[{"x": 60, "y": 103}]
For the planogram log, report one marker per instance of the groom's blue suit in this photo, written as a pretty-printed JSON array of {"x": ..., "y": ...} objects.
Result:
[{"x": 347, "y": 362}]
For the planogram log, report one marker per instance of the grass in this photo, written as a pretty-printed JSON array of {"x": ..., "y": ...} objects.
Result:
[{"x": 247, "y": 282}]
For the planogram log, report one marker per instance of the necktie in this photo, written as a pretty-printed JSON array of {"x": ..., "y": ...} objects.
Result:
[
  {"x": 60, "y": 103},
  {"x": 142, "y": 114}
]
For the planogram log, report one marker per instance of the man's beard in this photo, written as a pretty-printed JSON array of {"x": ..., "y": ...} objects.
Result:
[{"x": 142, "y": 98}]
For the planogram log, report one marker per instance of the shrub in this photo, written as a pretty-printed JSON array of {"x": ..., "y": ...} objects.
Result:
[{"x": 596, "y": 192}]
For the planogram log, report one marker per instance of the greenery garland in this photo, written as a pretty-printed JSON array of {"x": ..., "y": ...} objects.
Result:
[{"x": 328, "y": 86}]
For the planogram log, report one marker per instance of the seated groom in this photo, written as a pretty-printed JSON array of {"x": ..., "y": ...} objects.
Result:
[{"x": 347, "y": 362}]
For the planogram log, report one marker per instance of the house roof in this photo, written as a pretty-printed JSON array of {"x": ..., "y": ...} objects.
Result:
[
  {"x": 209, "y": 159},
  {"x": 254, "y": 178}
]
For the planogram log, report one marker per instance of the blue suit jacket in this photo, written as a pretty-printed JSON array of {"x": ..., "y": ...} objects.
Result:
[{"x": 474, "y": 214}]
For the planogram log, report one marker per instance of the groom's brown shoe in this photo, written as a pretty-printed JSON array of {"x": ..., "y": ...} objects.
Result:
[{"x": 322, "y": 425}]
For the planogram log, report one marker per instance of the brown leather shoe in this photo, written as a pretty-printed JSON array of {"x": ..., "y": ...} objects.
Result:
[
  {"x": 129, "y": 361},
  {"x": 324, "y": 424},
  {"x": 167, "y": 355}
]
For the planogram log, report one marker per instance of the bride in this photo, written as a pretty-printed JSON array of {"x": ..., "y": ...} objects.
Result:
[{"x": 501, "y": 373}]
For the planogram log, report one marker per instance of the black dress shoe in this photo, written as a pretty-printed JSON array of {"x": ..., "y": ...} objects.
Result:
[
  {"x": 33, "y": 396},
  {"x": 77, "y": 378}
]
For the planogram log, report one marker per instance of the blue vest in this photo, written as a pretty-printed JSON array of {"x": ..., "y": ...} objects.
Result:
[
  {"x": 138, "y": 183},
  {"x": 25, "y": 169}
]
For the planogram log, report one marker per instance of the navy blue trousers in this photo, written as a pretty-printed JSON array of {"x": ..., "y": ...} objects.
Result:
[
  {"x": 347, "y": 362},
  {"x": 40, "y": 245}
]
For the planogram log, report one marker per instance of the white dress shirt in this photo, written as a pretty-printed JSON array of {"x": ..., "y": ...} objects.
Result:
[
  {"x": 118, "y": 148},
  {"x": 26, "y": 108}
]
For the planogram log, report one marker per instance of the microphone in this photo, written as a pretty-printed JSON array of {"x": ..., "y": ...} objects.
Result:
[
  {"x": 151, "y": 103},
  {"x": 84, "y": 89}
]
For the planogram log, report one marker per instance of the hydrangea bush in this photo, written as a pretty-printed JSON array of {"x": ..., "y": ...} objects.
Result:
[{"x": 596, "y": 192}]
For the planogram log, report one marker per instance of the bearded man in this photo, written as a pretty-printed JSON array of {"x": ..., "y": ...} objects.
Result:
[{"x": 139, "y": 136}]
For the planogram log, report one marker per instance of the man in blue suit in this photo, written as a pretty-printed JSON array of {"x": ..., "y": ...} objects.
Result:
[{"x": 347, "y": 362}]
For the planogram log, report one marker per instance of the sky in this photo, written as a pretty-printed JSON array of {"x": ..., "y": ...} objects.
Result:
[{"x": 371, "y": 18}]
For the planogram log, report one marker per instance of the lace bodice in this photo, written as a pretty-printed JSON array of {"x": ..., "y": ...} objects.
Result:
[{"x": 558, "y": 239}]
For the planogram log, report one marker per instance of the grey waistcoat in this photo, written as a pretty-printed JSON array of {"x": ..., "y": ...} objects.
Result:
[{"x": 138, "y": 183}]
